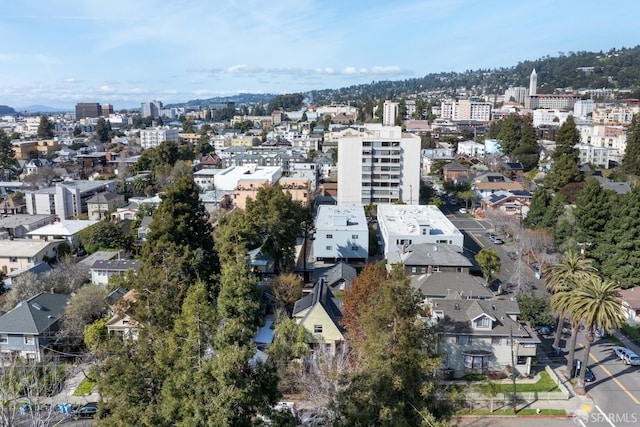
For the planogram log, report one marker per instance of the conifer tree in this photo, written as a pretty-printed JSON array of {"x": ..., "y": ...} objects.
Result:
[
  {"x": 45, "y": 128},
  {"x": 566, "y": 166},
  {"x": 631, "y": 163}
]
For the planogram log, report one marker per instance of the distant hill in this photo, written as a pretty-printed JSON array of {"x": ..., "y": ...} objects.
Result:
[
  {"x": 42, "y": 109},
  {"x": 615, "y": 69},
  {"x": 6, "y": 110},
  {"x": 239, "y": 99}
]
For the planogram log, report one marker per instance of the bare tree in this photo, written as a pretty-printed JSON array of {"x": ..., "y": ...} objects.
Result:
[
  {"x": 324, "y": 379},
  {"x": 519, "y": 281},
  {"x": 30, "y": 386}
]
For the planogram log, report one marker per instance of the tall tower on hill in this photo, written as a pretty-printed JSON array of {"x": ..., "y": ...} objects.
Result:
[{"x": 533, "y": 83}]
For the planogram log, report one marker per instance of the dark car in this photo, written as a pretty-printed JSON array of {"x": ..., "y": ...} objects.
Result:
[
  {"x": 544, "y": 329},
  {"x": 589, "y": 376},
  {"x": 87, "y": 411}
]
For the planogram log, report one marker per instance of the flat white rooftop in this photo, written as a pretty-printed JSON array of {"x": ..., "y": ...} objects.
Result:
[
  {"x": 331, "y": 217},
  {"x": 406, "y": 220},
  {"x": 24, "y": 248},
  {"x": 62, "y": 228}
]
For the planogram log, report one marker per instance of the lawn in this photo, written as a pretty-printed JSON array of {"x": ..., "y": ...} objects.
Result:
[
  {"x": 631, "y": 332},
  {"x": 84, "y": 388},
  {"x": 544, "y": 384}
]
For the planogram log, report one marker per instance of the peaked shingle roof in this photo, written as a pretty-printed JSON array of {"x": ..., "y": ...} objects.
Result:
[
  {"x": 321, "y": 294},
  {"x": 34, "y": 315}
]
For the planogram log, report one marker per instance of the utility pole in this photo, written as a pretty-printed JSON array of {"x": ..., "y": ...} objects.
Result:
[
  {"x": 583, "y": 249},
  {"x": 513, "y": 365}
]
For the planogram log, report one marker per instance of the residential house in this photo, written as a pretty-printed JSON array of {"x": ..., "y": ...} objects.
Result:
[
  {"x": 29, "y": 329},
  {"x": 514, "y": 170},
  {"x": 450, "y": 285},
  {"x": 321, "y": 315},
  {"x": 103, "y": 204},
  {"x": 18, "y": 254},
  {"x": 338, "y": 277},
  {"x": 68, "y": 231},
  {"x": 482, "y": 336},
  {"x": 299, "y": 188},
  {"x": 260, "y": 262},
  {"x": 488, "y": 183},
  {"x": 631, "y": 305},
  {"x": 121, "y": 323},
  {"x": 341, "y": 233},
  {"x": 514, "y": 202},
  {"x": 429, "y": 258},
  {"x": 20, "y": 224},
  {"x": 455, "y": 172},
  {"x": 145, "y": 227},
  {"x": 103, "y": 270},
  {"x": 14, "y": 206}
]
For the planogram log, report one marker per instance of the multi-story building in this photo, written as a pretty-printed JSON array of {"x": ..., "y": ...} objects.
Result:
[
  {"x": 380, "y": 164},
  {"x": 88, "y": 110},
  {"x": 403, "y": 225},
  {"x": 68, "y": 199},
  {"x": 543, "y": 116},
  {"x": 31, "y": 149},
  {"x": 466, "y": 110},
  {"x": 593, "y": 155},
  {"x": 614, "y": 114},
  {"x": 583, "y": 107},
  {"x": 389, "y": 113},
  {"x": 552, "y": 101},
  {"x": 341, "y": 233},
  {"x": 150, "y": 138},
  {"x": 151, "y": 109},
  {"x": 471, "y": 149},
  {"x": 519, "y": 94}
]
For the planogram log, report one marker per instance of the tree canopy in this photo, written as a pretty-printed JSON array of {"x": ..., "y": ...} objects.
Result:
[
  {"x": 45, "y": 128},
  {"x": 631, "y": 164}
]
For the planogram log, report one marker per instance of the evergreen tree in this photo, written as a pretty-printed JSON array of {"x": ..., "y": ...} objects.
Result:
[
  {"x": 593, "y": 211},
  {"x": 631, "y": 163},
  {"x": 7, "y": 155},
  {"x": 278, "y": 221},
  {"x": 544, "y": 210},
  {"x": 102, "y": 130},
  {"x": 618, "y": 251},
  {"x": 566, "y": 165},
  {"x": 392, "y": 384},
  {"x": 181, "y": 220},
  {"x": 45, "y": 128}
]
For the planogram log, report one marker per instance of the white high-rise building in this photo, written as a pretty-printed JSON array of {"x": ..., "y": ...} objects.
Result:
[
  {"x": 389, "y": 113},
  {"x": 380, "y": 165},
  {"x": 533, "y": 83},
  {"x": 151, "y": 109},
  {"x": 150, "y": 138},
  {"x": 466, "y": 110},
  {"x": 519, "y": 94}
]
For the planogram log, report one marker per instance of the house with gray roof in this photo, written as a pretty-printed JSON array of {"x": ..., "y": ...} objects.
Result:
[
  {"x": 30, "y": 329},
  {"x": 103, "y": 270},
  {"x": 429, "y": 258},
  {"x": 321, "y": 316},
  {"x": 450, "y": 285},
  {"x": 337, "y": 277},
  {"x": 480, "y": 336}
]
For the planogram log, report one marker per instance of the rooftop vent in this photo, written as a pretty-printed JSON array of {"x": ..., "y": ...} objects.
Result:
[
  {"x": 36, "y": 306},
  {"x": 456, "y": 306}
]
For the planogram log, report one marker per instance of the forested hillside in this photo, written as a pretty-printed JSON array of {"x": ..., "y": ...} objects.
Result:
[{"x": 614, "y": 69}]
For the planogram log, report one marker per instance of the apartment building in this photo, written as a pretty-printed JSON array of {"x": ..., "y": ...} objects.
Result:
[
  {"x": 150, "y": 138},
  {"x": 466, "y": 110},
  {"x": 379, "y": 164}
]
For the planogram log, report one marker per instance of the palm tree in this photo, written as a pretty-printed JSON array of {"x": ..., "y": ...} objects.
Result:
[
  {"x": 562, "y": 276},
  {"x": 561, "y": 302},
  {"x": 597, "y": 303}
]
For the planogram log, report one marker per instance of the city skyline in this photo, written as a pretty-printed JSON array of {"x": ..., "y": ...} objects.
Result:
[{"x": 125, "y": 53}]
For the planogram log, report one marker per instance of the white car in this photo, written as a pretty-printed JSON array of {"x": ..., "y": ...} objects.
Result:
[
  {"x": 462, "y": 210},
  {"x": 630, "y": 358},
  {"x": 619, "y": 351}
]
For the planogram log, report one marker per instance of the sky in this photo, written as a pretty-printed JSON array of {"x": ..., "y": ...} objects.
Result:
[{"x": 125, "y": 52}]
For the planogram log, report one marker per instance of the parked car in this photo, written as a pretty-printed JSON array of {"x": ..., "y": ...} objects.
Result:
[
  {"x": 631, "y": 358},
  {"x": 497, "y": 241},
  {"x": 462, "y": 210},
  {"x": 87, "y": 411},
  {"x": 544, "y": 330},
  {"x": 589, "y": 376},
  {"x": 600, "y": 334},
  {"x": 619, "y": 351}
]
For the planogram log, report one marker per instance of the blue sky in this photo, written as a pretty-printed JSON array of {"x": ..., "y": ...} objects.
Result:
[{"x": 59, "y": 52}]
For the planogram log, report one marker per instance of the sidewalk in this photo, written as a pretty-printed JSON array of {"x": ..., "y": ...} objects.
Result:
[{"x": 70, "y": 385}]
